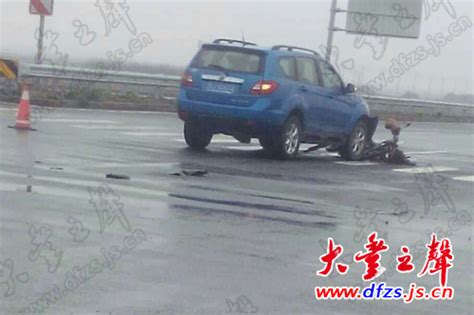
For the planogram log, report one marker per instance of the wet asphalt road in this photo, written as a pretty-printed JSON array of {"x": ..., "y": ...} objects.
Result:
[{"x": 251, "y": 227}]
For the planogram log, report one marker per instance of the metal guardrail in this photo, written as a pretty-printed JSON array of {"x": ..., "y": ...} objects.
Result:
[
  {"x": 416, "y": 102},
  {"x": 98, "y": 75},
  {"x": 160, "y": 80}
]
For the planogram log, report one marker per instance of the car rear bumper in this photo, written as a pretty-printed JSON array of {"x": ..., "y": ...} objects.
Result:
[{"x": 220, "y": 118}]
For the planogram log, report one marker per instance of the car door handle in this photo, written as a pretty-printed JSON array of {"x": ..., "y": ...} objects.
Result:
[{"x": 303, "y": 88}]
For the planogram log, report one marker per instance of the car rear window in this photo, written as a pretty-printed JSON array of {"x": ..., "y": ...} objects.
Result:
[{"x": 229, "y": 60}]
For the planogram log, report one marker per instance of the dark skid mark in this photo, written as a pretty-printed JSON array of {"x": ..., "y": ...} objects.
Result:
[
  {"x": 208, "y": 188},
  {"x": 258, "y": 206},
  {"x": 282, "y": 199},
  {"x": 252, "y": 195},
  {"x": 208, "y": 211}
]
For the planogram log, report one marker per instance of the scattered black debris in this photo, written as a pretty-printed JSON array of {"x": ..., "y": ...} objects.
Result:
[
  {"x": 28, "y": 188},
  {"x": 38, "y": 162},
  {"x": 57, "y": 168},
  {"x": 393, "y": 213},
  {"x": 185, "y": 172},
  {"x": 388, "y": 150},
  {"x": 194, "y": 172},
  {"x": 117, "y": 176},
  {"x": 22, "y": 129}
]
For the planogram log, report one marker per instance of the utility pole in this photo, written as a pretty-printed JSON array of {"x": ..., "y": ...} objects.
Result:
[
  {"x": 39, "y": 55},
  {"x": 332, "y": 21}
]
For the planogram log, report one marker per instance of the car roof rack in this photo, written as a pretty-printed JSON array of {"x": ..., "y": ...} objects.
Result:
[
  {"x": 233, "y": 41},
  {"x": 291, "y": 48}
]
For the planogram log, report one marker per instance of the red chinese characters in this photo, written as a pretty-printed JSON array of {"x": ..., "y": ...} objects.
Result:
[
  {"x": 333, "y": 252},
  {"x": 438, "y": 259},
  {"x": 405, "y": 261},
  {"x": 372, "y": 256}
]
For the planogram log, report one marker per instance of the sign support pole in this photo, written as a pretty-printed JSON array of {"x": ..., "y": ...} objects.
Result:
[
  {"x": 40, "y": 41},
  {"x": 332, "y": 21}
]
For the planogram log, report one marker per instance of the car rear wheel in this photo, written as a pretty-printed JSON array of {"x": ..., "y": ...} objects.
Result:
[
  {"x": 196, "y": 136},
  {"x": 356, "y": 142},
  {"x": 290, "y": 139}
]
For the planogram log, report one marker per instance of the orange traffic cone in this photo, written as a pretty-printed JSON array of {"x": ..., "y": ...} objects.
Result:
[{"x": 23, "y": 114}]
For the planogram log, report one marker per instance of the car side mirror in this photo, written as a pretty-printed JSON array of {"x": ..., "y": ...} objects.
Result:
[{"x": 350, "y": 88}]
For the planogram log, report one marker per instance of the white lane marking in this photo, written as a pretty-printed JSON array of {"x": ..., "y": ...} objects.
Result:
[
  {"x": 12, "y": 187},
  {"x": 330, "y": 154},
  {"x": 81, "y": 193},
  {"x": 118, "y": 111},
  {"x": 124, "y": 128},
  {"x": 256, "y": 146},
  {"x": 230, "y": 141},
  {"x": 425, "y": 152},
  {"x": 119, "y": 165},
  {"x": 91, "y": 121},
  {"x": 244, "y": 148},
  {"x": 356, "y": 163},
  {"x": 150, "y": 134},
  {"x": 84, "y": 184},
  {"x": 465, "y": 178},
  {"x": 221, "y": 141},
  {"x": 422, "y": 170}
]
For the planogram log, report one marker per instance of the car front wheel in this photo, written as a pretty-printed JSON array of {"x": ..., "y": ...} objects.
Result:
[{"x": 356, "y": 142}]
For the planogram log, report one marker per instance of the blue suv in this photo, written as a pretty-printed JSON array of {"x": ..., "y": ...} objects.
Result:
[{"x": 283, "y": 95}]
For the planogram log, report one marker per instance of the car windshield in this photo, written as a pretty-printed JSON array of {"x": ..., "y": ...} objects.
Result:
[{"x": 229, "y": 60}]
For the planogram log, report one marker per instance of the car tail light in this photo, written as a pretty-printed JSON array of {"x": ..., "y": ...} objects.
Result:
[
  {"x": 187, "y": 79},
  {"x": 264, "y": 87}
]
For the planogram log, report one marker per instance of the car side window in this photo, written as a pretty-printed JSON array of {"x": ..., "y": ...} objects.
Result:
[
  {"x": 307, "y": 71},
  {"x": 287, "y": 65},
  {"x": 330, "y": 78}
]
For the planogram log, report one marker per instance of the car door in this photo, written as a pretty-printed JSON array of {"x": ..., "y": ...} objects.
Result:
[
  {"x": 311, "y": 94},
  {"x": 338, "y": 105}
]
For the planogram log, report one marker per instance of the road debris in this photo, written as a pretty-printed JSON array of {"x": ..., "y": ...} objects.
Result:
[
  {"x": 185, "y": 172},
  {"x": 117, "y": 176},
  {"x": 388, "y": 151}
]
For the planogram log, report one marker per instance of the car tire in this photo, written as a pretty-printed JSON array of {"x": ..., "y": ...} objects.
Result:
[
  {"x": 356, "y": 143},
  {"x": 289, "y": 139},
  {"x": 196, "y": 137}
]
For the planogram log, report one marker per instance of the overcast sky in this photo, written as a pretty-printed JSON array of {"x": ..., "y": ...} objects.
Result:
[{"x": 177, "y": 27}]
